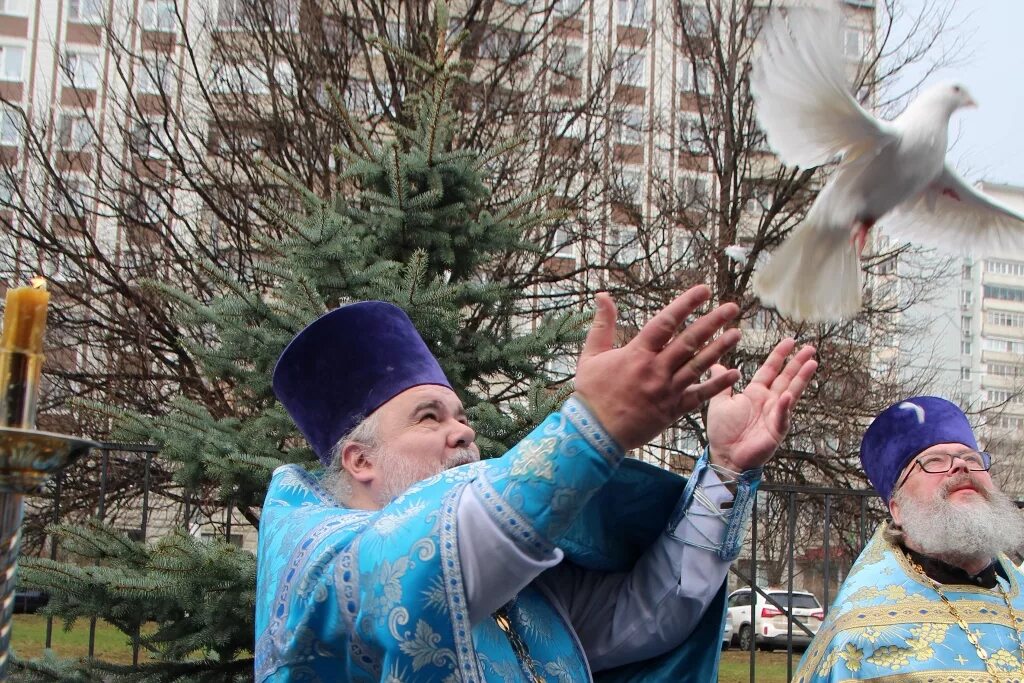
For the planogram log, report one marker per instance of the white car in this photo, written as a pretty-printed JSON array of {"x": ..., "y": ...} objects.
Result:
[
  {"x": 727, "y": 630},
  {"x": 771, "y": 627}
]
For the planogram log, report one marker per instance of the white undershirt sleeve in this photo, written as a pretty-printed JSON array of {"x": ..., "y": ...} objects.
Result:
[
  {"x": 494, "y": 567},
  {"x": 626, "y": 617}
]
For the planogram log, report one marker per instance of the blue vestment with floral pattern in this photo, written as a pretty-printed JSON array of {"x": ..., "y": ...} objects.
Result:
[
  {"x": 889, "y": 624},
  {"x": 358, "y": 595}
]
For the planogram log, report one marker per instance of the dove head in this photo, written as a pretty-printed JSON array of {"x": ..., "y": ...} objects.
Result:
[{"x": 949, "y": 97}]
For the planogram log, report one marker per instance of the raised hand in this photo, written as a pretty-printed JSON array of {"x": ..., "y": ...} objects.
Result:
[
  {"x": 746, "y": 428},
  {"x": 638, "y": 390}
]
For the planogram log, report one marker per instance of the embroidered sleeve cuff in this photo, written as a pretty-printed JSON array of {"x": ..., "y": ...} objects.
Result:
[
  {"x": 577, "y": 412},
  {"x": 724, "y": 536}
]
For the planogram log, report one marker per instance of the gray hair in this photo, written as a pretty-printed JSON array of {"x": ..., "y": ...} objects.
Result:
[{"x": 337, "y": 480}]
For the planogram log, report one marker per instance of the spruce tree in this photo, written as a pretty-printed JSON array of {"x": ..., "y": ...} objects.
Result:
[{"x": 413, "y": 222}]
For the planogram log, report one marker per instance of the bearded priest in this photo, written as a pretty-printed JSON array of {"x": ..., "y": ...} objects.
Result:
[{"x": 932, "y": 597}]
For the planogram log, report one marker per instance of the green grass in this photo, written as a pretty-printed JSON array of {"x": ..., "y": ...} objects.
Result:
[
  {"x": 770, "y": 667},
  {"x": 28, "y": 639}
]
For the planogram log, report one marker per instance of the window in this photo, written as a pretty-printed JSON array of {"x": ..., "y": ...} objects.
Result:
[
  {"x": 1003, "y": 369},
  {"x": 1004, "y": 293},
  {"x": 966, "y": 297},
  {"x": 681, "y": 240},
  {"x": 694, "y": 80},
  {"x": 8, "y": 187},
  {"x": 567, "y": 60},
  {"x": 965, "y": 271},
  {"x": 695, "y": 20},
  {"x": 965, "y": 348},
  {"x": 632, "y": 184},
  {"x": 231, "y": 14},
  {"x": 1002, "y": 345},
  {"x": 155, "y": 75},
  {"x": 85, "y": 11},
  {"x": 630, "y": 69},
  {"x": 147, "y": 207},
  {"x": 570, "y": 124},
  {"x": 568, "y": 7},
  {"x": 150, "y": 139},
  {"x": 1005, "y": 267},
  {"x": 563, "y": 244},
  {"x": 691, "y": 134},
  {"x": 237, "y": 14},
  {"x": 1005, "y": 318},
  {"x": 81, "y": 70},
  {"x": 622, "y": 245},
  {"x": 12, "y": 62},
  {"x": 14, "y": 7},
  {"x": 68, "y": 198},
  {"x": 10, "y": 126},
  {"x": 693, "y": 191},
  {"x": 965, "y": 324},
  {"x": 74, "y": 133},
  {"x": 631, "y": 126},
  {"x": 241, "y": 78},
  {"x": 159, "y": 15},
  {"x": 854, "y": 43},
  {"x": 1003, "y": 396},
  {"x": 965, "y": 374},
  {"x": 632, "y": 12}
]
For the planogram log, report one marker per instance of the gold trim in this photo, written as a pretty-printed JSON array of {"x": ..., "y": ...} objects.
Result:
[
  {"x": 915, "y": 610},
  {"x": 934, "y": 676}
]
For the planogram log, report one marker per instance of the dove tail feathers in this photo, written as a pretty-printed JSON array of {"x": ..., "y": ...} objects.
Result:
[{"x": 814, "y": 276}]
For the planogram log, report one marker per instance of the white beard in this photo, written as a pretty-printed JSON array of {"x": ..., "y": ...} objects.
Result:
[
  {"x": 967, "y": 531},
  {"x": 400, "y": 471}
]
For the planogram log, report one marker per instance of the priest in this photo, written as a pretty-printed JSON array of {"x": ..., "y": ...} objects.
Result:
[
  {"x": 933, "y": 596},
  {"x": 412, "y": 560}
]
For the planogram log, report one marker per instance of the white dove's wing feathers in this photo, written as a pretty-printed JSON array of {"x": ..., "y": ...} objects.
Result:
[
  {"x": 803, "y": 100},
  {"x": 952, "y": 215}
]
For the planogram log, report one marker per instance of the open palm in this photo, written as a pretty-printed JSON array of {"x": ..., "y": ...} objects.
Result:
[{"x": 745, "y": 428}]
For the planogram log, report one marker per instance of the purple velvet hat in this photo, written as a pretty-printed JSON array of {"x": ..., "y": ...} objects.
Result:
[
  {"x": 903, "y": 430},
  {"x": 346, "y": 364}
]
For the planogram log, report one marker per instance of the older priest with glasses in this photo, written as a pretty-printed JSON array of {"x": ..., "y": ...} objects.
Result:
[{"x": 932, "y": 597}]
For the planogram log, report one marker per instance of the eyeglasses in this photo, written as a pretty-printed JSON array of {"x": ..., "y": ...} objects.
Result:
[{"x": 936, "y": 463}]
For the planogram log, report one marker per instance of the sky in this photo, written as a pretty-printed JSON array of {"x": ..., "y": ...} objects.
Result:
[{"x": 987, "y": 142}]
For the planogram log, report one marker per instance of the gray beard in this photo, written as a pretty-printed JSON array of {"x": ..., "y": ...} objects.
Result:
[
  {"x": 960, "y": 532},
  {"x": 400, "y": 471}
]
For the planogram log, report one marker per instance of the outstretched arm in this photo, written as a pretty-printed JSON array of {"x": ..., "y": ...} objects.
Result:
[
  {"x": 624, "y": 397},
  {"x": 656, "y": 606}
]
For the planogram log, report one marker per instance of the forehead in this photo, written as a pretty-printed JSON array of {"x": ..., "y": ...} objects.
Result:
[{"x": 412, "y": 399}]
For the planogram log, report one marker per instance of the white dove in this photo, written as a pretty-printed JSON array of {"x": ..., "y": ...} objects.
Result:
[{"x": 898, "y": 167}]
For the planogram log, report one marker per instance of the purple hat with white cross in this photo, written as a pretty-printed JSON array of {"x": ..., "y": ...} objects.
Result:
[{"x": 905, "y": 429}]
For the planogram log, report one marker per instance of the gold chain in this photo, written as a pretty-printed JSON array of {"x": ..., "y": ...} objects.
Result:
[
  {"x": 504, "y": 621},
  {"x": 965, "y": 627}
]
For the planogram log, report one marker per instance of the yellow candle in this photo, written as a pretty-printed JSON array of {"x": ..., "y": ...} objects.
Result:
[{"x": 25, "y": 318}]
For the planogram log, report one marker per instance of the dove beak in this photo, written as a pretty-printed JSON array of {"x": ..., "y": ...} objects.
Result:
[{"x": 970, "y": 102}]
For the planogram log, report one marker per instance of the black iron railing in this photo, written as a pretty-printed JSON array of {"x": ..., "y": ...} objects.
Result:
[{"x": 800, "y": 537}]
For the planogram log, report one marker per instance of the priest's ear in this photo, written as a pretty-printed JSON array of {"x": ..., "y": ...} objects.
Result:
[
  {"x": 355, "y": 459},
  {"x": 894, "y": 511}
]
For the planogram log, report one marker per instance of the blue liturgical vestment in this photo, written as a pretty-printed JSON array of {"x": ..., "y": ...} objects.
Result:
[
  {"x": 889, "y": 624},
  {"x": 359, "y": 595}
]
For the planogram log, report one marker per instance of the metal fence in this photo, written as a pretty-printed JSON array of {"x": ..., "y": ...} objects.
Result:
[{"x": 800, "y": 538}]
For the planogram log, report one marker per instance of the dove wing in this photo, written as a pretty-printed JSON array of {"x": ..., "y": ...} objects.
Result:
[
  {"x": 802, "y": 96},
  {"x": 952, "y": 215}
]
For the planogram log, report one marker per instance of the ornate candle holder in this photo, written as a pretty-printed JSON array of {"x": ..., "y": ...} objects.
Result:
[{"x": 27, "y": 458}]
